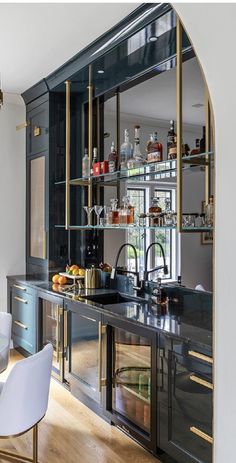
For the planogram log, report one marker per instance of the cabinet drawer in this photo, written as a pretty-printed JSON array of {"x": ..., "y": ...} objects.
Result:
[
  {"x": 21, "y": 290},
  {"x": 23, "y": 322},
  {"x": 37, "y": 132}
]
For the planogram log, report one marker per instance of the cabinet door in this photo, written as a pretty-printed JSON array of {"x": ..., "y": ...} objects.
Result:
[
  {"x": 38, "y": 130},
  {"x": 36, "y": 209},
  {"x": 186, "y": 411},
  {"x": 23, "y": 309},
  {"x": 130, "y": 391},
  {"x": 82, "y": 367}
]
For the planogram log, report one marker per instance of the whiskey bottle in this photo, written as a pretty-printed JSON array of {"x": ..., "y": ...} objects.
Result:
[
  {"x": 154, "y": 149},
  {"x": 203, "y": 140},
  {"x": 126, "y": 150},
  {"x": 113, "y": 159},
  {"x": 171, "y": 135},
  {"x": 95, "y": 158}
]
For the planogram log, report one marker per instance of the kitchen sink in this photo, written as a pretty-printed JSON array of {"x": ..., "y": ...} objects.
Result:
[{"x": 111, "y": 298}]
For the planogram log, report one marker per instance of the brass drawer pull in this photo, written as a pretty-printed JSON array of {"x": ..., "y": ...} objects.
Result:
[
  {"x": 201, "y": 434},
  {"x": 21, "y": 325},
  {"x": 201, "y": 381},
  {"x": 200, "y": 356},
  {"x": 20, "y": 299},
  {"x": 20, "y": 287}
]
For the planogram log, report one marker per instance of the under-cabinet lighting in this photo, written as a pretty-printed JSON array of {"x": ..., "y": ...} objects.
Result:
[
  {"x": 153, "y": 38},
  {"x": 101, "y": 71}
]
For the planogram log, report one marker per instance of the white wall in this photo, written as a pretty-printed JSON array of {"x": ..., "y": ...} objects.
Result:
[
  {"x": 12, "y": 192},
  {"x": 211, "y": 28}
]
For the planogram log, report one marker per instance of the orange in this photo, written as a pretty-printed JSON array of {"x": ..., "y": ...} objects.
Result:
[
  {"x": 56, "y": 287},
  {"x": 62, "y": 280},
  {"x": 74, "y": 267},
  {"x": 55, "y": 278}
]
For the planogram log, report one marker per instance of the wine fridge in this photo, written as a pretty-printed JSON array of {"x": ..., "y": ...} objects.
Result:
[
  {"x": 130, "y": 394},
  {"x": 51, "y": 315}
]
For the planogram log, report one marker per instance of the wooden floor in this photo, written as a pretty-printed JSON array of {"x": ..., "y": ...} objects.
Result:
[{"x": 71, "y": 433}]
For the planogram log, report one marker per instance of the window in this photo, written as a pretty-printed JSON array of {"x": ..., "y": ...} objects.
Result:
[{"x": 140, "y": 198}]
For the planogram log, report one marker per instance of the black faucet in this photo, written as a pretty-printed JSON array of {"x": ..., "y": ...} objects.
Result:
[
  {"x": 159, "y": 267},
  {"x": 136, "y": 273}
]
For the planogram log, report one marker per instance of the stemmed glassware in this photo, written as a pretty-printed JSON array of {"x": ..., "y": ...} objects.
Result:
[
  {"x": 88, "y": 211},
  {"x": 98, "y": 210}
]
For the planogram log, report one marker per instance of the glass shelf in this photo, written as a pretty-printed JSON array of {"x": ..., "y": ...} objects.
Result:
[
  {"x": 134, "y": 227},
  {"x": 149, "y": 171}
]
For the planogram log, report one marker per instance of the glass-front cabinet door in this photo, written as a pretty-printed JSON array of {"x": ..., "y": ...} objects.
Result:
[
  {"x": 130, "y": 381},
  {"x": 83, "y": 350},
  {"x": 51, "y": 322},
  {"x": 36, "y": 210}
]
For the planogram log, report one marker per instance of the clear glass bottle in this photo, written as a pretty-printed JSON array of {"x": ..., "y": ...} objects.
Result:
[
  {"x": 85, "y": 164},
  {"x": 126, "y": 150},
  {"x": 126, "y": 212},
  {"x": 113, "y": 159},
  {"x": 209, "y": 211},
  {"x": 154, "y": 211},
  {"x": 137, "y": 159},
  {"x": 95, "y": 158}
]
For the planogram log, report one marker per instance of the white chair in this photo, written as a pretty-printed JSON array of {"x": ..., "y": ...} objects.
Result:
[
  {"x": 5, "y": 330},
  {"x": 24, "y": 400}
]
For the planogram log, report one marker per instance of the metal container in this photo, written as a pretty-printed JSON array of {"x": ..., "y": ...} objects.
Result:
[{"x": 93, "y": 278}]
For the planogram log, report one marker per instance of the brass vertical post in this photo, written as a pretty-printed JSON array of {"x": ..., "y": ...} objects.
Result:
[
  {"x": 98, "y": 196},
  {"x": 35, "y": 444},
  {"x": 179, "y": 123},
  {"x": 118, "y": 136},
  {"x": 67, "y": 211},
  {"x": 90, "y": 133},
  {"x": 208, "y": 147}
]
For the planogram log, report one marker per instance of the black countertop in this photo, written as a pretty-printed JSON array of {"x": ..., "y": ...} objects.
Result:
[{"x": 189, "y": 320}]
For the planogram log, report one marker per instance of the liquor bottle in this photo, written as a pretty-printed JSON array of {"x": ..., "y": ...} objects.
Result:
[
  {"x": 95, "y": 158},
  {"x": 114, "y": 212},
  {"x": 126, "y": 212},
  {"x": 137, "y": 159},
  {"x": 85, "y": 164},
  {"x": 209, "y": 210},
  {"x": 172, "y": 149},
  {"x": 113, "y": 159},
  {"x": 203, "y": 140},
  {"x": 154, "y": 212},
  {"x": 196, "y": 150},
  {"x": 126, "y": 150},
  {"x": 171, "y": 135},
  {"x": 154, "y": 149}
]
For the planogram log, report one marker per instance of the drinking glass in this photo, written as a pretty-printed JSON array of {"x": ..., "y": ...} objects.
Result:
[
  {"x": 88, "y": 211},
  {"x": 98, "y": 210}
]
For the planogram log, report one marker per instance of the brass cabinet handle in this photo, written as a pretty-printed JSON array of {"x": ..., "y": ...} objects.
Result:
[
  {"x": 101, "y": 381},
  {"x": 65, "y": 328},
  {"x": 21, "y": 325},
  {"x": 37, "y": 131},
  {"x": 58, "y": 334},
  {"x": 201, "y": 434},
  {"x": 201, "y": 381},
  {"x": 199, "y": 356},
  {"x": 20, "y": 287},
  {"x": 20, "y": 299}
]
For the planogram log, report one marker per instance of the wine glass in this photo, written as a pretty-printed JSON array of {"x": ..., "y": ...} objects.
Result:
[
  {"x": 88, "y": 211},
  {"x": 98, "y": 210}
]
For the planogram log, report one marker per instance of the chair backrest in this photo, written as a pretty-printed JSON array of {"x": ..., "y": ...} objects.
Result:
[
  {"x": 5, "y": 329},
  {"x": 5, "y": 324},
  {"x": 24, "y": 397}
]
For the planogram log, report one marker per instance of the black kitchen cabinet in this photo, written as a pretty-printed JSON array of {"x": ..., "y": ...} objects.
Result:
[
  {"x": 185, "y": 400},
  {"x": 83, "y": 352},
  {"x": 37, "y": 133}
]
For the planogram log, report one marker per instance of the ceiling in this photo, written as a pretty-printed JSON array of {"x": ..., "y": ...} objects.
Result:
[
  {"x": 35, "y": 39},
  {"x": 156, "y": 98}
]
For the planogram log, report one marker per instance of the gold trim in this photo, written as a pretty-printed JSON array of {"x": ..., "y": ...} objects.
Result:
[
  {"x": 90, "y": 134},
  {"x": 21, "y": 325},
  {"x": 67, "y": 212},
  {"x": 200, "y": 356},
  {"x": 20, "y": 299},
  {"x": 201, "y": 434},
  {"x": 37, "y": 131},
  {"x": 65, "y": 328},
  {"x": 201, "y": 381},
  {"x": 101, "y": 381},
  {"x": 208, "y": 146},
  {"x": 17, "y": 457},
  {"x": 118, "y": 137},
  {"x": 58, "y": 335},
  {"x": 45, "y": 245},
  {"x": 179, "y": 122}
]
